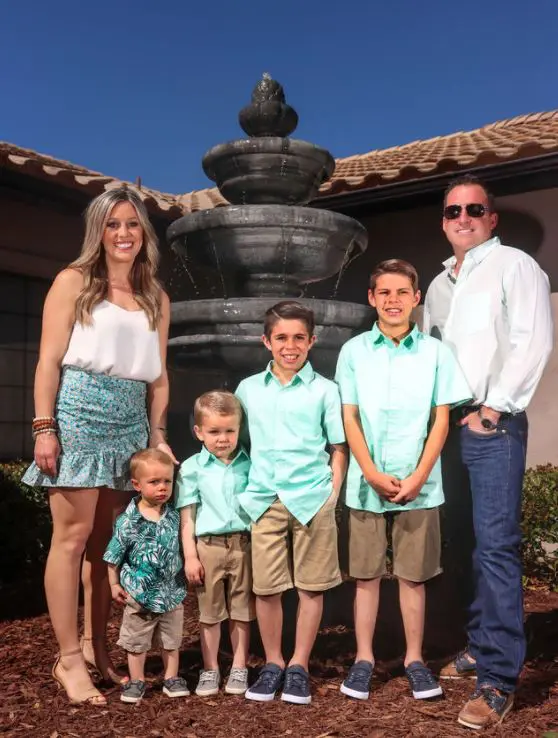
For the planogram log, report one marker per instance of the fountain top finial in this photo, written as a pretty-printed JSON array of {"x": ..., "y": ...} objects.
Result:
[{"x": 268, "y": 113}]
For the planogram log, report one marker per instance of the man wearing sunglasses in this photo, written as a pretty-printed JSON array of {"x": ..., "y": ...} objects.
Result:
[{"x": 491, "y": 304}]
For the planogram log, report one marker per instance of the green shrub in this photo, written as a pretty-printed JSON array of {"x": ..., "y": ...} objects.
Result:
[
  {"x": 25, "y": 530},
  {"x": 540, "y": 524}
]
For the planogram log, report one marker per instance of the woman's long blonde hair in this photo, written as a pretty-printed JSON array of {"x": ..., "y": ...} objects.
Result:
[{"x": 92, "y": 263}]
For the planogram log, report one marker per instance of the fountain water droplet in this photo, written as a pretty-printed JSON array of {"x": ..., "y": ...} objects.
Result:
[
  {"x": 181, "y": 252},
  {"x": 219, "y": 269},
  {"x": 345, "y": 263}
]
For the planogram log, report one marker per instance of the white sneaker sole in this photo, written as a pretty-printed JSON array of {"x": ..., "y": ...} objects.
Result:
[
  {"x": 208, "y": 692},
  {"x": 293, "y": 699},
  {"x": 436, "y": 692},
  {"x": 235, "y": 690},
  {"x": 130, "y": 700},
  {"x": 353, "y": 693},
  {"x": 182, "y": 693},
  {"x": 255, "y": 697}
]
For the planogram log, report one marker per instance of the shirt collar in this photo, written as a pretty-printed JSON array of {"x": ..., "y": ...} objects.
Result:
[
  {"x": 476, "y": 254},
  {"x": 306, "y": 374},
  {"x": 378, "y": 338},
  {"x": 132, "y": 511},
  {"x": 206, "y": 458}
]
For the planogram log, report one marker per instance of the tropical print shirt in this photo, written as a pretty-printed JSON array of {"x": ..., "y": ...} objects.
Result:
[{"x": 148, "y": 555}]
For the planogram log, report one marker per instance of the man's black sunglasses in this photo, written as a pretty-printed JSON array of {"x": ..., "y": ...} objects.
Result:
[{"x": 473, "y": 210}]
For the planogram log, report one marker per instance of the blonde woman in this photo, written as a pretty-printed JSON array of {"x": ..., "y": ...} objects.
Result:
[{"x": 101, "y": 393}]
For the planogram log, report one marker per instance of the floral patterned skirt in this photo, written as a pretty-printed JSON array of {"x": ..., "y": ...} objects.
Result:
[{"x": 102, "y": 421}]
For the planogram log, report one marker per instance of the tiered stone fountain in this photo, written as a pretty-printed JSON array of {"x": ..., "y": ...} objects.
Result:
[{"x": 265, "y": 246}]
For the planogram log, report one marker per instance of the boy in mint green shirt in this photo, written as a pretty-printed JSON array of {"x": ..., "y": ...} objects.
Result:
[
  {"x": 293, "y": 416},
  {"x": 397, "y": 385},
  {"x": 215, "y": 534}
]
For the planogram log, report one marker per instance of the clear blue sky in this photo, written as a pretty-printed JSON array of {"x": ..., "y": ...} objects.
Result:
[{"x": 145, "y": 87}]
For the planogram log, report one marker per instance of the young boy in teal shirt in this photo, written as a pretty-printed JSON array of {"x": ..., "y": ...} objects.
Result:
[
  {"x": 397, "y": 385},
  {"x": 292, "y": 414},
  {"x": 215, "y": 533}
]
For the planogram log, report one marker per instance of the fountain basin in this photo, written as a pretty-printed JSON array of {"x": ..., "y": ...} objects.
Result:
[
  {"x": 268, "y": 170},
  {"x": 226, "y": 334},
  {"x": 269, "y": 250}
]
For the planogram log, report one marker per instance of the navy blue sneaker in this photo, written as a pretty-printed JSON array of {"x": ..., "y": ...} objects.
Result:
[
  {"x": 267, "y": 684},
  {"x": 359, "y": 678},
  {"x": 297, "y": 686},
  {"x": 422, "y": 681}
]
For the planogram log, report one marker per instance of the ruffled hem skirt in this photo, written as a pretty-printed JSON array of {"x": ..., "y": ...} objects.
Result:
[{"x": 102, "y": 421}]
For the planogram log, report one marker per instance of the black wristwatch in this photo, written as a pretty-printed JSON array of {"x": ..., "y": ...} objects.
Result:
[{"x": 486, "y": 423}]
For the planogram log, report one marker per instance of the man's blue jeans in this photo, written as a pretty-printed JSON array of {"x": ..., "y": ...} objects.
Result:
[{"x": 496, "y": 465}]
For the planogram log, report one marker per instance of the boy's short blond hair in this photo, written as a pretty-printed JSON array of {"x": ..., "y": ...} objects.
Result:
[
  {"x": 146, "y": 455},
  {"x": 220, "y": 402}
]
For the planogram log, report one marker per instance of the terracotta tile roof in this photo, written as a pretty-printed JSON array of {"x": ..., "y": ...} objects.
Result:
[
  {"x": 516, "y": 138},
  {"x": 73, "y": 176}
]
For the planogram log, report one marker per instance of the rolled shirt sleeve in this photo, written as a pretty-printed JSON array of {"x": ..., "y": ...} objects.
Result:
[
  {"x": 345, "y": 377},
  {"x": 529, "y": 311},
  {"x": 450, "y": 387},
  {"x": 186, "y": 490},
  {"x": 333, "y": 419},
  {"x": 118, "y": 544}
]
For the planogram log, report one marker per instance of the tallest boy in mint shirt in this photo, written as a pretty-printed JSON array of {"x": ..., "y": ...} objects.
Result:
[{"x": 397, "y": 385}]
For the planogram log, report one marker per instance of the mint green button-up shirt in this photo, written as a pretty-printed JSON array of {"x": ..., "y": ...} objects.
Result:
[
  {"x": 215, "y": 487},
  {"x": 290, "y": 426},
  {"x": 395, "y": 388}
]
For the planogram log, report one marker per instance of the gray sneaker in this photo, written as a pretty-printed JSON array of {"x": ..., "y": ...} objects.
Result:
[
  {"x": 208, "y": 683},
  {"x": 132, "y": 691},
  {"x": 237, "y": 683},
  {"x": 175, "y": 687}
]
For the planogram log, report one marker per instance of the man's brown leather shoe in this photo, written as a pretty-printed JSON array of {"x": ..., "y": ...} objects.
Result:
[{"x": 487, "y": 706}]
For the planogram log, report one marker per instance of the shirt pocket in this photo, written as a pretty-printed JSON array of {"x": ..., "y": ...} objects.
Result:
[{"x": 472, "y": 312}]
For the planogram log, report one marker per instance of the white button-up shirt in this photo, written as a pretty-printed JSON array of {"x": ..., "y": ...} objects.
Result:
[{"x": 496, "y": 316}]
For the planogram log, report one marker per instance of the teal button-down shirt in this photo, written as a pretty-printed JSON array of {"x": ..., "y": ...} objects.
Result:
[
  {"x": 213, "y": 486},
  {"x": 149, "y": 558},
  {"x": 395, "y": 388},
  {"x": 290, "y": 426}
]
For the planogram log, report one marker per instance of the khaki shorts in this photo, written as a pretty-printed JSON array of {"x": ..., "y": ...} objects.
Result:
[
  {"x": 415, "y": 539},
  {"x": 140, "y": 625},
  {"x": 227, "y": 588},
  {"x": 312, "y": 560}
]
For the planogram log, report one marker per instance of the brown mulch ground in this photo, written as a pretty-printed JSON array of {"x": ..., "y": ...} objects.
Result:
[{"x": 32, "y": 707}]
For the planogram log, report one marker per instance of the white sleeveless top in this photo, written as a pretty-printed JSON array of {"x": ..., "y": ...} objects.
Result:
[{"x": 118, "y": 343}]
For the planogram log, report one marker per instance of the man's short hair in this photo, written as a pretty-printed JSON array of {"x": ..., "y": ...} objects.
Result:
[
  {"x": 289, "y": 310},
  {"x": 467, "y": 180},
  {"x": 395, "y": 266},
  {"x": 146, "y": 455},
  {"x": 220, "y": 402}
]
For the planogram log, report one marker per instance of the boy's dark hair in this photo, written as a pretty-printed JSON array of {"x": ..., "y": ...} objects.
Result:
[
  {"x": 470, "y": 179},
  {"x": 395, "y": 266},
  {"x": 216, "y": 401},
  {"x": 288, "y": 310},
  {"x": 145, "y": 455}
]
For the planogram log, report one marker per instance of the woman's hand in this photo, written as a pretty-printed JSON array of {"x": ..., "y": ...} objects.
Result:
[
  {"x": 158, "y": 441},
  {"x": 47, "y": 451}
]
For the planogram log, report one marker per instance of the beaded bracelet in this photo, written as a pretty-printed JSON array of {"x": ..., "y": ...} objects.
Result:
[{"x": 43, "y": 430}]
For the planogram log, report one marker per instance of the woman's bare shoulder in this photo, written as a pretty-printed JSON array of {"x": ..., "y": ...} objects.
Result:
[{"x": 67, "y": 285}]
